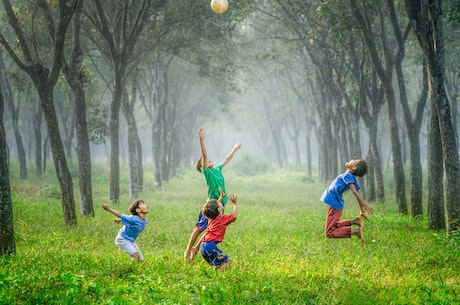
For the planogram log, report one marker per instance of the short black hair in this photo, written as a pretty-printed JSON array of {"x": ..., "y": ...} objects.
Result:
[
  {"x": 199, "y": 164},
  {"x": 210, "y": 209},
  {"x": 361, "y": 168},
  {"x": 134, "y": 205}
]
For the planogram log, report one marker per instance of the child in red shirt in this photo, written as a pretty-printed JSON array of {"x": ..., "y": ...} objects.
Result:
[
  {"x": 215, "y": 181},
  {"x": 216, "y": 231}
]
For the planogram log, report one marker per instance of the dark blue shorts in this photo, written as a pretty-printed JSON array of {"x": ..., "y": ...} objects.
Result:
[
  {"x": 202, "y": 222},
  {"x": 211, "y": 254}
]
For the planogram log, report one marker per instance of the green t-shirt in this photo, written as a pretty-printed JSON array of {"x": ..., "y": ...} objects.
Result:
[{"x": 215, "y": 179}]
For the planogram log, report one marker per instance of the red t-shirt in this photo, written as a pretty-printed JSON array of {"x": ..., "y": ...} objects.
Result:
[{"x": 216, "y": 228}]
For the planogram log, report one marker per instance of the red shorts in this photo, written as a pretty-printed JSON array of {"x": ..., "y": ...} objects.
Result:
[{"x": 336, "y": 228}]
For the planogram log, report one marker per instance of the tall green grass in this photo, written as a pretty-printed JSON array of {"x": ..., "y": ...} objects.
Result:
[{"x": 277, "y": 244}]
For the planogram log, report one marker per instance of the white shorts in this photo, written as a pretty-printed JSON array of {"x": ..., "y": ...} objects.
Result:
[{"x": 128, "y": 246}]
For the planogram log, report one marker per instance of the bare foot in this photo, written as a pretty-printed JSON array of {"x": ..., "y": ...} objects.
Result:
[
  {"x": 357, "y": 221},
  {"x": 363, "y": 215},
  {"x": 193, "y": 253},
  {"x": 224, "y": 266},
  {"x": 187, "y": 257},
  {"x": 361, "y": 234}
]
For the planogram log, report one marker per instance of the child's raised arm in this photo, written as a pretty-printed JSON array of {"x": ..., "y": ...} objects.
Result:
[
  {"x": 204, "y": 154},
  {"x": 232, "y": 198},
  {"x": 109, "y": 209},
  {"x": 231, "y": 153}
]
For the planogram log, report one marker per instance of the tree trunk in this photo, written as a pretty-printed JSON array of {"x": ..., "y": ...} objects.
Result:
[
  {"x": 370, "y": 178},
  {"x": 45, "y": 152},
  {"x": 275, "y": 132},
  {"x": 114, "y": 136},
  {"x": 14, "y": 112},
  {"x": 158, "y": 106},
  {"x": 133, "y": 153},
  {"x": 140, "y": 166},
  {"x": 134, "y": 143},
  {"x": 342, "y": 135},
  {"x": 164, "y": 134},
  {"x": 375, "y": 161},
  {"x": 450, "y": 154},
  {"x": 84, "y": 154},
  {"x": 7, "y": 242},
  {"x": 328, "y": 159},
  {"x": 413, "y": 127},
  {"x": 398, "y": 166},
  {"x": 384, "y": 74},
  {"x": 413, "y": 130},
  {"x": 60, "y": 162},
  {"x": 67, "y": 117},
  {"x": 436, "y": 215},
  {"x": 426, "y": 20},
  {"x": 75, "y": 76},
  {"x": 308, "y": 159},
  {"x": 37, "y": 124},
  {"x": 453, "y": 87}
]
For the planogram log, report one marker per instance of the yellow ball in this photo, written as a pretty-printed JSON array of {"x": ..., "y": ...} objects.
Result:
[{"x": 219, "y": 6}]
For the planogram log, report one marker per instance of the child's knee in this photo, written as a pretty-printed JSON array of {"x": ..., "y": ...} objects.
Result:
[{"x": 329, "y": 234}]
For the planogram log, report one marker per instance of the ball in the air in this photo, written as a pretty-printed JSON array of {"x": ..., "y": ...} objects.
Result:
[{"x": 219, "y": 6}]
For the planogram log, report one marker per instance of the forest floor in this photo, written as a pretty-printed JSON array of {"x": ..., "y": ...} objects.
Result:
[{"x": 278, "y": 248}]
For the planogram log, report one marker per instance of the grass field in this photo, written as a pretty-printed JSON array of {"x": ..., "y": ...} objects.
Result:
[{"x": 277, "y": 245}]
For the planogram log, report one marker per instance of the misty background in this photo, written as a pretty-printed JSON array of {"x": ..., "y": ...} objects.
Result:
[{"x": 306, "y": 85}]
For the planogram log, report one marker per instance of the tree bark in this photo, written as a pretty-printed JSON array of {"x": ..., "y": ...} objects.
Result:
[
  {"x": 413, "y": 127},
  {"x": 426, "y": 20},
  {"x": 436, "y": 215},
  {"x": 134, "y": 146},
  {"x": 159, "y": 103},
  {"x": 14, "y": 112},
  {"x": 114, "y": 136},
  {"x": 7, "y": 241},
  {"x": 57, "y": 147},
  {"x": 75, "y": 76},
  {"x": 37, "y": 126}
]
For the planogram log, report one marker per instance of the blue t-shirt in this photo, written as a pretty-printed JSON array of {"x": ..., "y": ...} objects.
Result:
[
  {"x": 333, "y": 195},
  {"x": 214, "y": 180},
  {"x": 133, "y": 225}
]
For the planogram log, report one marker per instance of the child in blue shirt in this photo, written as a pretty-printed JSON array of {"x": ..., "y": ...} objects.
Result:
[
  {"x": 133, "y": 225},
  {"x": 333, "y": 196}
]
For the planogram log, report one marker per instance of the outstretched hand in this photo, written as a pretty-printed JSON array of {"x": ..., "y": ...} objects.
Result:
[
  {"x": 232, "y": 198},
  {"x": 202, "y": 132},
  {"x": 365, "y": 209},
  {"x": 222, "y": 195}
]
